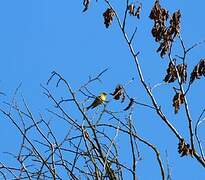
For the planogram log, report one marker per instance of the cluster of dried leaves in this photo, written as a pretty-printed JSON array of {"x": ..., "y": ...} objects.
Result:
[
  {"x": 198, "y": 71},
  {"x": 108, "y": 17},
  {"x": 177, "y": 101},
  {"x": 119, "y": 93},
  {"x": 132, "y": 12},
  {"x": 162, "y": 34},
  {"x": 171, "y": 75},
  {"x": 184, "y": 149},
  {"x": 108, "y": 14}
]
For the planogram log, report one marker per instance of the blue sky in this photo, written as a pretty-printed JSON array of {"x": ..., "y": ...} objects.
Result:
[{"x": 39, "y": 36}]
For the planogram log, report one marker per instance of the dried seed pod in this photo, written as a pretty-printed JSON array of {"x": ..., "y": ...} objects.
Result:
[{"x": 108, "y": 17}]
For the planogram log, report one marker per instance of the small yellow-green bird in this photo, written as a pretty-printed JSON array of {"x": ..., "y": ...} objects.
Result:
[{"x": 98, "y": 100}]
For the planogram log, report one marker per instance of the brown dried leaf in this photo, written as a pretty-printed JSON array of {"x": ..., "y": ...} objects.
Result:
[
  {"x": 171, "y": 73},
  {"x": 177, "y": 101},
  {"x": 108, "y": 17},
  {"x": 198, "y": 71},
  {"x": 184, "y": 149},
  {"x": 158, "y": 31},
  {"x": 86, "y": 5},
  {"x": 175, "y": 24},
  {"x": 132, "y": 12},
  {"x": 158, "y": 13},
  {"x": 131, "y": 9},
  {"x": 182, "y": 70},
  {"x": 164, "y": 48},
  {"x": 137, "y": 13},
  {"x": 86, "y": 135},
  {"x": 118, "y": 92}
]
